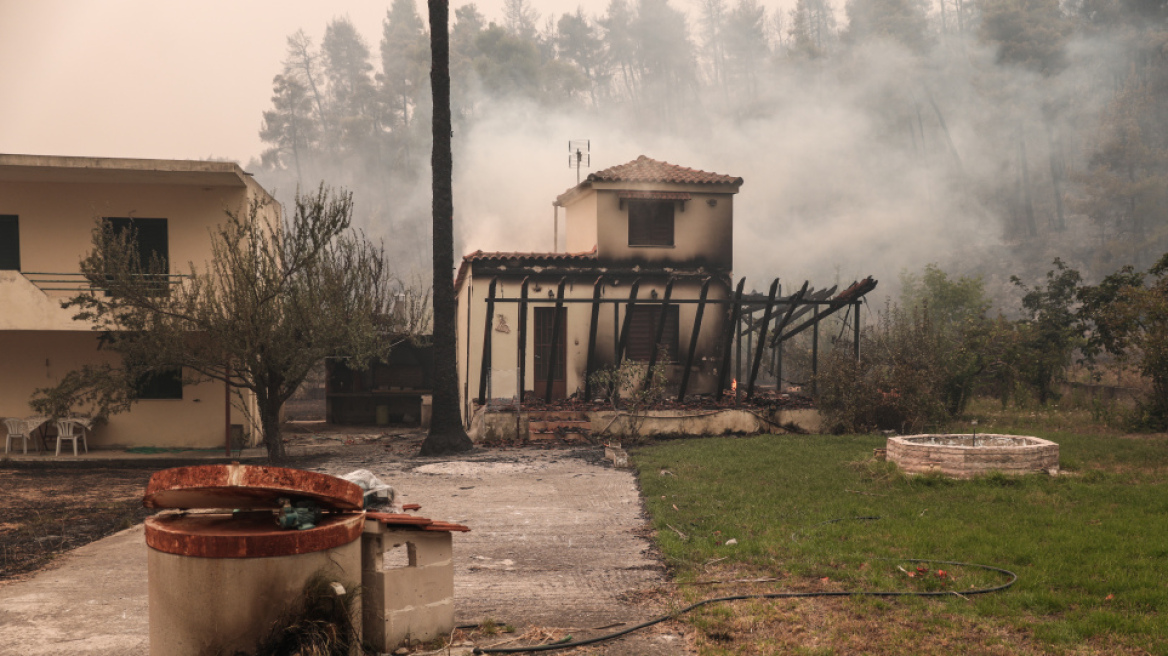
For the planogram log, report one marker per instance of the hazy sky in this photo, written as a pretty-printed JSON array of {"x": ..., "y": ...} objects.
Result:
[{"x": 164, "y": 79}]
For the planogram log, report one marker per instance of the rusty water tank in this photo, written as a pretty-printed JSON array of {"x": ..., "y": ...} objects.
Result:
[{"x": 222, "y": 571}]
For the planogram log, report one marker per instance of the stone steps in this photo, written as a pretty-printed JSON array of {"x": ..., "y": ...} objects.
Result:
[{"x": 559, "y": 425}]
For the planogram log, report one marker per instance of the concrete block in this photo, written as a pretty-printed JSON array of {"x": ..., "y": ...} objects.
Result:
[
  {"x": 430, "y": 547},
  {"x": 418, "y": 624}
]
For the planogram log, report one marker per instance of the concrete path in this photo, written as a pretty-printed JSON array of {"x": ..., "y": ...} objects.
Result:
[{"x": 557, "y": 541}]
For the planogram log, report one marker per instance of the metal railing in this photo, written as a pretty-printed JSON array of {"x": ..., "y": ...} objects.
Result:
[{"x": 48, "y": 281}]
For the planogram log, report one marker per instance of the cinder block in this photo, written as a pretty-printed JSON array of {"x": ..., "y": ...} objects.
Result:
[
  {"x": 408, "y": 587},
  {"x": 418, "y": 624},
  {"x": 430, "y": 547}
]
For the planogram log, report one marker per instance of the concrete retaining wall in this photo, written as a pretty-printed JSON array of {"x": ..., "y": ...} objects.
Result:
[{"x": 497, "y": 426}]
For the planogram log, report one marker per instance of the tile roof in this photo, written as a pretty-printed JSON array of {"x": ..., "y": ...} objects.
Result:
[
  {"x": 530, "y": 258},
  {"x": 645, "y": 169}
]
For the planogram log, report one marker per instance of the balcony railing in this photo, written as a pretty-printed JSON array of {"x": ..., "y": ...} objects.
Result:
[{"x": 76, "y": 282}]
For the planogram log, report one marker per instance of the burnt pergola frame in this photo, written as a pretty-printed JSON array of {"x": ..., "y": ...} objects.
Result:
[{"x": 740, "y": 308}]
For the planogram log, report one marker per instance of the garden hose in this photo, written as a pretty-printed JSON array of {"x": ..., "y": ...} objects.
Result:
[{"x": 771, "y": 595}]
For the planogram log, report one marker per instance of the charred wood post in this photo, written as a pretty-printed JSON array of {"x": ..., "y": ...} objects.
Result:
[
  {"x": 624, "y": 333},
  {"x": 815, "y": 350},
  {"x": 766, "y": 320},
  {"x": 856, "y": 332},
  {"x": 658, "y": 334},
  {"x": 590, "y": 367},
  {"x": 738, "y": 347},
  {"x": 849, "y": 295},
  {"x": 555, "y": 343},
  {"x": 735, "y": 309},
  {"x": 693, "y": 339},
  {"x": 777, "y": 342},
  {"x": 523, "y": 338},
  {"x": 485, "y": 366}
]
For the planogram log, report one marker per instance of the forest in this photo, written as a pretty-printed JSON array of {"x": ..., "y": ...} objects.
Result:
[
  {"x": 962, "y": 142},
  {"x": 987, "y": 136}
]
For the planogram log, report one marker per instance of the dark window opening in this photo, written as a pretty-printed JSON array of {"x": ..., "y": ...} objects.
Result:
[
  {"x": 9, "y": 243},
  {"x": 159, "y": 384},
  {"x": 152, "y": 244},
  {"x": 650, "y": 223},
  {"x": 643, "y": 330}
]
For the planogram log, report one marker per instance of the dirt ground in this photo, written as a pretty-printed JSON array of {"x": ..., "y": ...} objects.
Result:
[
  {"x": 49, "y": 511},
  {"x": 559, "y": 544}
]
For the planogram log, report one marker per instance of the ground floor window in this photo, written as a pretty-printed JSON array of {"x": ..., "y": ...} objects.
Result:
[
  {"x": 643, "y": 332},
  {"x": 160, "y": 384}
]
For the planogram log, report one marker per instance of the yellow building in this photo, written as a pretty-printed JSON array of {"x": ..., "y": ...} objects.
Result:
[
  {"x": 646, "y": 222},
  {"x": 49, "y": 207}
]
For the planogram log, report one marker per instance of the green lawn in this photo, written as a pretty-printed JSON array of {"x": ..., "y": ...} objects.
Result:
[{"x": 1090, "y": 548}]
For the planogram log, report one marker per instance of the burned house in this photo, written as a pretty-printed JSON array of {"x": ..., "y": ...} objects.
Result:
[{"x": 539, "y": 323}]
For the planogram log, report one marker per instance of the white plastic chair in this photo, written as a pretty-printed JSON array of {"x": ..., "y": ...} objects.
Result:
[
  {"x": 17, "y": 430},
  {"x": 71, "y": 429}
]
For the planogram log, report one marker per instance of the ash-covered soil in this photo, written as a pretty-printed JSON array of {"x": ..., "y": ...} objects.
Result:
[{"x": 49, "y": 511}]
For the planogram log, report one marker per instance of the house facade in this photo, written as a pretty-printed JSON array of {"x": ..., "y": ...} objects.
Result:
[
  {"x": 49, "y": 207},
  {"x": 666, "y": 229}
]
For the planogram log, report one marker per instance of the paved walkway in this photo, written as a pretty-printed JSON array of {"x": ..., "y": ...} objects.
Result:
[{"x": 557, "y": 540}]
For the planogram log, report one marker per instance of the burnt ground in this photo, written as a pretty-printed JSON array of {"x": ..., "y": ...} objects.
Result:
[
  {"x": 515, "y": 569},
  {"x": 50, "y": 511}
]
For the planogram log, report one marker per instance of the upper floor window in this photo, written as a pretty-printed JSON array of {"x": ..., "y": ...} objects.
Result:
[
  {"x": 152, "y": 245},
  {"x": 650, "y": 222},
  {"x": 151, "y": 238},
  {"x": 9, "y": 242}
]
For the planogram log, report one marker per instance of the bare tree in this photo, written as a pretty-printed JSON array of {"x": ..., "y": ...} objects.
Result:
[{"x": 276, "y": 298}]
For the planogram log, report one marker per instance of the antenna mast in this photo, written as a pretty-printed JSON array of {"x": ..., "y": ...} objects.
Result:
[{"x": 579, "y": 155}]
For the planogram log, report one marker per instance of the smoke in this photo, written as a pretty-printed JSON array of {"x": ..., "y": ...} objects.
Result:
[{"x": 875, "y": 160}]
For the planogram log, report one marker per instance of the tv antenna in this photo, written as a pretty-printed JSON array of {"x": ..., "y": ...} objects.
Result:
[{"x": 579, "y": 155}]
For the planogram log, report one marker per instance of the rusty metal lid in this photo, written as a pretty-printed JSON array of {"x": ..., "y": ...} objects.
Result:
[
  {"x": 247, "y": 535},
  {"x": 247, "y": 487}
]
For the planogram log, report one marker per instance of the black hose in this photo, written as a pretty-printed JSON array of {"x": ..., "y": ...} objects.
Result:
[{"x": 772, "y": 595}]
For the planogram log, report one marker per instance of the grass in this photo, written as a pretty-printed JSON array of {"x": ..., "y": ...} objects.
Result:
[{"x": 1090, "y": 548}]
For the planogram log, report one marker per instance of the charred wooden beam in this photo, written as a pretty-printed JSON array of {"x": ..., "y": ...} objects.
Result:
[
  {"x": 522, "y": 338},
  {"x": 556, "y": 324},
  {"x": 693, "y": 340},
  {"x": 590, "y": 367},
  {"x": 766, "y": 320},
  {"x": 734, "y": 310},
  {"x": 658, "y": 334},
  {"x": 485, "y": 366},
  {"x": 815, "y": 351},
  {"x": 624, "y": 333},
  {"x": 856, "y": 332},
  {"x": 852, "y": 294}
]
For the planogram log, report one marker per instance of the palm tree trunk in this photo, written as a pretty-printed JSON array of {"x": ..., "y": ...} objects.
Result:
[{"x": 446, "y": 432}]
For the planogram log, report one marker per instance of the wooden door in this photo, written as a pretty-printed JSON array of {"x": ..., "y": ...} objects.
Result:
[{"x": 544, "y": 320}]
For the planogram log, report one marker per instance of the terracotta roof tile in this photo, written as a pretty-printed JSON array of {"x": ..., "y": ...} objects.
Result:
[
  {"x": 645, "y": 169},
  {"x": 415, "y": 522},
  {"x": 530, "y": 258}
]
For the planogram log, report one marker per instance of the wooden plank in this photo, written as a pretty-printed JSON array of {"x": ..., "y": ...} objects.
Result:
[
  {"x": 766, "y": 320},
  {"x": 547, "y": 397},
  {"x": 664, "y": 316},
  {"x": 724, "y": 371},
  {"x": 523, "y": 338},
  {"x": 693, "y": 339},
  {"x": 624, "y": 333},
  {"x": 593, "y": 326},
  {"x": 485, "y": 365}
]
